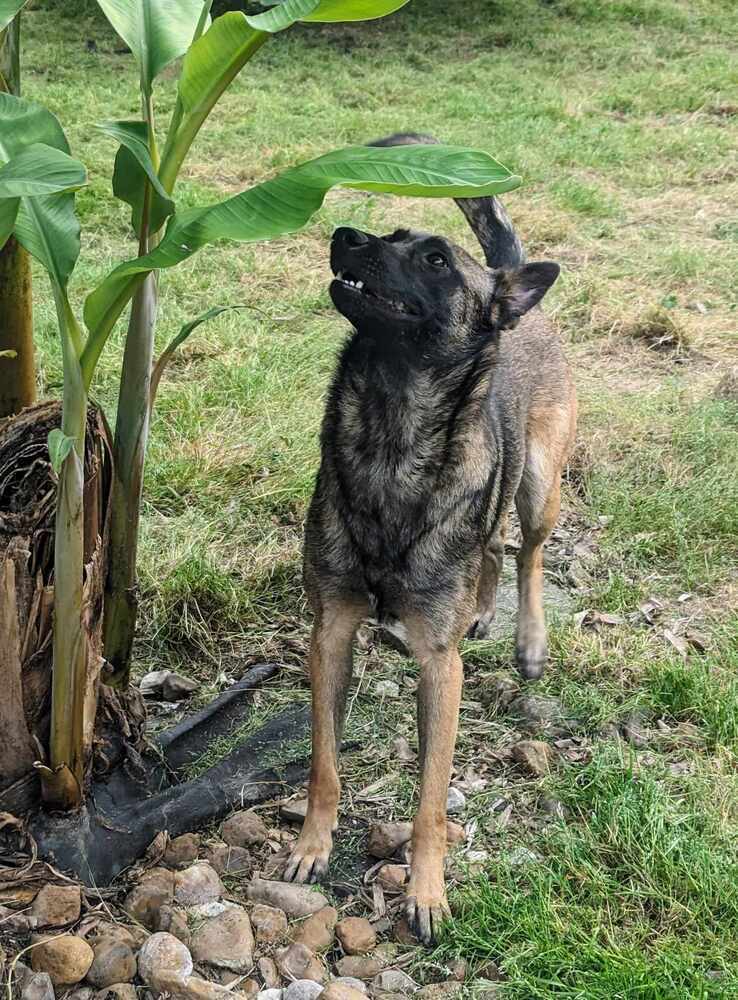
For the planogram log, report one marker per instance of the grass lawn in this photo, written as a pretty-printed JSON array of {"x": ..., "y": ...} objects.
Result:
[{"x": 616, "y": 876}]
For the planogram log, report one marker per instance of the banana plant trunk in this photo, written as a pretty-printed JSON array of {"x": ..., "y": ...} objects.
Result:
[
  {"x": 28, "y": 493},
  {"x": 131, "y": 438},
  {"x": 17, "y": 367}
]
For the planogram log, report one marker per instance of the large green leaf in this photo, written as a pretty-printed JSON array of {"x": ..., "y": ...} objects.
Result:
[
  {"x": 353, "y": 10},
  {"x": 8, "y": 10},
  {"x": 157, "y": 31},
  {"x": 23, "y": 123},
  {"x": 133, "y": 165},
  {"x": 40, "y": 169},
  {"x": 286, "y": 203},
  {"x": 46, "y": 225},
  {"x": 214, "y": 60},
  {"x": 282, "y": 15},
  {"x": 288, "y": 12}
]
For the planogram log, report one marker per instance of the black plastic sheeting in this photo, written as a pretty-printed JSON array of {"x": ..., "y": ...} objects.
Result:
[{"x": 124, "y": 813}]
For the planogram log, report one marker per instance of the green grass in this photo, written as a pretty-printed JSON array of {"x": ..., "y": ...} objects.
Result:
[
  {"x": 620, "y": 116},
  {"x": 635, "y": 897}
]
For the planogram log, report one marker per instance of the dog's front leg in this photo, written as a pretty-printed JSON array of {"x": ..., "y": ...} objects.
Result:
[
  {"x": 330, "y": 676},
  {"x": 439, "y": 695}
]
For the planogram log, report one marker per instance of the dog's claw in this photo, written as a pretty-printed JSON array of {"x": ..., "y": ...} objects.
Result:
[
  {"x": 425, "y": 921},
  {"x": 306, "y": 865},
  {"x": 480, "y": 627}
]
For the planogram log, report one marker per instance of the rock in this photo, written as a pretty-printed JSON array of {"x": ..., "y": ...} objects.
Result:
[
  {"x": 394, "y": 981},
  {"x": 145, "y": 900},
  {"x": 268, "y": 972},
  {"x": 635, "y": 731},
  {"x": 392, "y": 877},
  {"x": 298, "y": 962},
  {"x": 116, "y": 991},
  {"x": 355, "y": 984},
  {"x": 302, "y": 989},
  {"x": 67, "y": 959},
  {"x": 358, "y": 967},
  {"x": 534, "y": 756},
  {"x": 248, "y": 988},
  {"x": 386, "y": 952},
  {"x": 386, "y": 838},
  {"x": 490, "y": 971},
  {"x": 387, "y": 689},
  {"x": 199, "y": 883},
  {"x": 356, "y": 935},
  {"x": 182, "y": 850},
  {"x": 340, "y": 990},
  {"x": 177, "y": 688},
  {"x": 167, "y": 685},
  {"x": 455, "y": 801},
  {"x": 537, "y": 710},
  {"x": 316, "y": 933},
  {"x": 269, "y": 995},
  {"x": 38, "y": 986},
  {"x": 458, "y": 969},
  {"x": 84, "y": 993},
  {"x": 497, "y": 691},
  {"x": 270, "y": 923},
  {"x": 114, "y": 962},
  {"x": 57, "y": 905},
  {"x": 455, "y": 832},
  {"x": 134, "y": 937},
  {"x": 245, "y": 829},
  {"x": 403, "y": 932},
  {"x": 294, "y": 811},
  {"x": 295, "y": 900},
  {"x": 174, "y": 921},
  {"x": 163, "y": 961},
  {"x": 228, "y": 860},
  {"x": 226, "y": 941},
  {"x": 438, "y": 990}
]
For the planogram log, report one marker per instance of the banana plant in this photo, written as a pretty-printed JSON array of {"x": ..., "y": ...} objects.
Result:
[
  {"x": 145, "y": 176},
  {"x": 17, "y": 371}
]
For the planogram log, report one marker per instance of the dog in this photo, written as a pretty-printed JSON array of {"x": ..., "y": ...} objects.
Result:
[{"x": 452, "y": 399}]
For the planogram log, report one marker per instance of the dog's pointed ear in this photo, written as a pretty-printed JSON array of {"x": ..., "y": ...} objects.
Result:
[{"x": 518, "y": 291}]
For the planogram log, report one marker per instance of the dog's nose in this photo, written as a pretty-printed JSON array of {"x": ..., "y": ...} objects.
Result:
[{"x": 352, "y": 238}]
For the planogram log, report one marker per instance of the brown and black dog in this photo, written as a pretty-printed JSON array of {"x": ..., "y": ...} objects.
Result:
[{"x": 452, "y": 400}]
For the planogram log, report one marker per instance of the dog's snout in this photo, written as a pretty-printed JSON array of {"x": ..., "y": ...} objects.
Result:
[{"x": 351, "y": 238}]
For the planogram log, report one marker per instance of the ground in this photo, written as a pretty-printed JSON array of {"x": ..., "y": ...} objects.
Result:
[{"x": 620, "y": 116}]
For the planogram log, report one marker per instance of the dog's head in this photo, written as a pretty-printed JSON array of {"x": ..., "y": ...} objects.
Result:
[{"x": 428, "y": 292}]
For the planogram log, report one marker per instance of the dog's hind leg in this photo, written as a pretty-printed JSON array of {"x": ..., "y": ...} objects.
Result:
[
  {"x": 538, "y": 502},
  {"x": 330, "y": 674},
  {"x": 439, "y": 696},
  {"x": 488, "y": 582}
]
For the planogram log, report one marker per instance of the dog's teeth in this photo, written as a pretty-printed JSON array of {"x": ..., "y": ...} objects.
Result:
[
  {"x": 359, "y": 284},
  {"x": 339, "y": 275}
]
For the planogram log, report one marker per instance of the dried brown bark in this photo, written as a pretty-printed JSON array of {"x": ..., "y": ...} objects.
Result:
[{"x": 27, "y": 495}]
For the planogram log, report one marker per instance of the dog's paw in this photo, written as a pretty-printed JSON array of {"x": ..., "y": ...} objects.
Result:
[
  {"x": 481, "y": 627},
  {"x": 309, "y": 860},
  {"x": 425, "y": 917}
]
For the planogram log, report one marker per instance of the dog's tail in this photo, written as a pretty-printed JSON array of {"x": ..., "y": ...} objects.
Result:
[{"x": 489, "y": 221}]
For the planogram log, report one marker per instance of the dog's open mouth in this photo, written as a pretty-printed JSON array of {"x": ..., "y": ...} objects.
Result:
[{"x": 349, "y": 280}]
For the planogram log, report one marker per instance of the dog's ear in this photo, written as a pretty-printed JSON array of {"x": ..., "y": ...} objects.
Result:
[{"x": 518, "y": 291}]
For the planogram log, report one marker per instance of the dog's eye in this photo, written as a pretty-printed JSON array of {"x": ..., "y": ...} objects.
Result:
[{"x": 437, "y": 259}]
